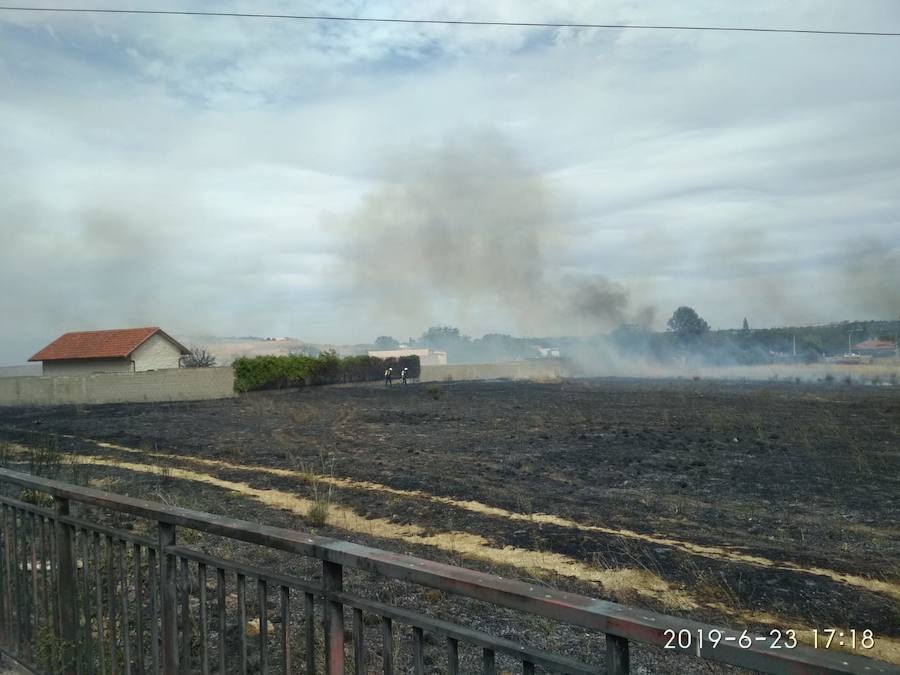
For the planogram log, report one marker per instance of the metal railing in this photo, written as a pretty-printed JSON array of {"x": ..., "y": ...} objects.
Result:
[{"x": 80, "y": 597}]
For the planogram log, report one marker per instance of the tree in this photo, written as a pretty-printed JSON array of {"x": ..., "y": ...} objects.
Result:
[
  {"x": 686, "y": 323},
  {"x": 746, "y": 325},
  {"x": 198, "y": 357},
  {"x": 386, "y": 342},
  {"x": 810, "y": 348},
  {"x": 443, "y": 336}
]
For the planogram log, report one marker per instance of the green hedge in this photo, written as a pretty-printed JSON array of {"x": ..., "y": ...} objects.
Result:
[{"x": 297, "y": 370}]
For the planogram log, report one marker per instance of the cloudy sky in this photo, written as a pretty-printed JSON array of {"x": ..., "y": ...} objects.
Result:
[{"x": 337, "y": 181}]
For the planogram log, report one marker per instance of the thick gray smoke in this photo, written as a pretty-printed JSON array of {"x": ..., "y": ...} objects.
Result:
[{"x": 468, "y": 233}]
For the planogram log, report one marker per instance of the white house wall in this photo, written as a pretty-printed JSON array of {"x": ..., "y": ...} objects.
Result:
[
  {"x": 73, "y": 367},
  {"x": 156, "y": 353}
]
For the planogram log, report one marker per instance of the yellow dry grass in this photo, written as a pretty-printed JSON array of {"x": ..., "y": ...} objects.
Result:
[
  {"x": 616, "y": 581},
  {"x": 706, "y": 551}
]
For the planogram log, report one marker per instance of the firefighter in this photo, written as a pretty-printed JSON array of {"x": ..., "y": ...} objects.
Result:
[
  {"x": 388, "y": 376},
  {"x": 403, "y": 375}
]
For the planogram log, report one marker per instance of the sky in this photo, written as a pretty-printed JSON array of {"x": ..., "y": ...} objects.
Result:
[{"x": 338, "y": 181}]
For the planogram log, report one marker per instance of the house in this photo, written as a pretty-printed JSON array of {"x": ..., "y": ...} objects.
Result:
[
  {"x": 427, "y": 357},
  {"x": 122, "y": 350},
  {"x": 875, "y": 348}
]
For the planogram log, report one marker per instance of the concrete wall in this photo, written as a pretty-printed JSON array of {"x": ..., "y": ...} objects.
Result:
[
  {"x": 516, "y": 370},
  {"x": 75, "y": 367},
  {"x": 156, "y": 353},
  {"x": 180, "y": 384}
]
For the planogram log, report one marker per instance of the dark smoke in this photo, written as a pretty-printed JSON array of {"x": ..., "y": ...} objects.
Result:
[{"x": 461, "y": 233}]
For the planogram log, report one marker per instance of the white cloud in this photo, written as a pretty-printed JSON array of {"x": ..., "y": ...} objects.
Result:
[{"x": 176, "y": 170}]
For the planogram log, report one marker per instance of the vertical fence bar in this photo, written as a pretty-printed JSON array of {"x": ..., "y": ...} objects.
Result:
[
  {"x": 87, "y": 632},
  {"x": 5, "y": 620},
  {"x": 35, "y": 597},
  {"x": 54, "y": 652},
  {"x": 242, "y": 620},
  {"x": 98, "y": 592},
  {"x": 263, "y": 600},
  {"x": 487, "y": 660},
  {"x": 309, "y": 612},
  {"x": 138, "y": 609},
  {"x": 359, "y": 644},
  {"x": 186, "y": 624},
  {"x": 112, "y": 605},
  {"x": 418, "y": 651},
  {"x": 618, "y": 659},
  {"x": 285, "y": 630},
  {"x": 14, "y": 590},
  {"x": 87, "y": 638},
  {"x": 387, "y": 645},
  {"x": 154, "y": 610},
  {"x": 220, "y": 590},
  {"x": 126, "y": 630},
  {"x": 169, "y": 617},
  {"x": 204, "y": 626},
  {"x": 66, "y": 578},
  {"x": 333, "y": 582},
  {"x": 45, "y": 576},
  {"x": 452, "y": 656}
]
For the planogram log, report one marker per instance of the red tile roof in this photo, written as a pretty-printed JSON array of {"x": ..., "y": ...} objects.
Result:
[
  {"x": 875, "y": 344},
  {"x": 100, "y": 344}
]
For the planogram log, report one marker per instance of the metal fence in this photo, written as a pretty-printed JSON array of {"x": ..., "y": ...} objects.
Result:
[{"x": 80, "y": 597}]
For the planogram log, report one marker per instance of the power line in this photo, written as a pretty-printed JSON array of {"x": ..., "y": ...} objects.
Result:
[{"x": 449, "y": 22}]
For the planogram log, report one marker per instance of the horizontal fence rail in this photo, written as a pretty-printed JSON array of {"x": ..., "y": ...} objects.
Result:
[{"x": 78, "y": 597}]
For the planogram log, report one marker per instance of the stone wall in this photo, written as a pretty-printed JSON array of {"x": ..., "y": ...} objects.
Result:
[
  {"x": 177, "y": 384},
  {"x": 533, "y": 369}
]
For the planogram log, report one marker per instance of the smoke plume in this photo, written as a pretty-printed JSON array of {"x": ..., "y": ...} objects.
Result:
[{"x": 464, "y": 233}]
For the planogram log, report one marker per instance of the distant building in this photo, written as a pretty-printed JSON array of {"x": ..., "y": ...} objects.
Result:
[
  {"x": 427, "y": 357},
  {"x": 548, "y": 352},
  {"x": 875, "y": 348},
  {"x": 121, "y": 350}
]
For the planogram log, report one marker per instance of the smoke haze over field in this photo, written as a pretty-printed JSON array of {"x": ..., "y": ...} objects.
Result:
[
  {"x": 464, "y": 229},
  {"x": 338, "y": 181}
]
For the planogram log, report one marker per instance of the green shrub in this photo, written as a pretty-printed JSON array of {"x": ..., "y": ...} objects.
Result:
[{"x": 296, "y": 370}]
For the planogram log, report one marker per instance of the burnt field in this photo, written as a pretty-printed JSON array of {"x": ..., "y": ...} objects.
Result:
[{"x": 741, "y": 504}]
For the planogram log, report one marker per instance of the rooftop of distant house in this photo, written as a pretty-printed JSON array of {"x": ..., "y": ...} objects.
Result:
[{"x": 101, "y": 344}]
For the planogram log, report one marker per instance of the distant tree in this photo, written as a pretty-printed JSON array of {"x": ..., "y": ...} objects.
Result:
[
  {"x": 686, "y": 323},
  {"x": 810, "y": 348},
  {"x": 746, "y": 325},
  {"x": 443, "y": 336},
  {"x": 198, "y": 357},
  {"x": 386, "y": 342}
]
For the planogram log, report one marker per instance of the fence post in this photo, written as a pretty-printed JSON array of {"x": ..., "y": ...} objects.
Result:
[
  {"x": 618, "y": 660},
  {"x": 169, "y": 618},
  {"x": 333, "y": 582},
  {"x": 66, "y": 577}
]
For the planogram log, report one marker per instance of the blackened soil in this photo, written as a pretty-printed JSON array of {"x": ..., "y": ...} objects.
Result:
[{"x": 806, "y": 476}]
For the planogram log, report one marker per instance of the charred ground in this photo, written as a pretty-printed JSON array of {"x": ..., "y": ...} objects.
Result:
[{"x": 750, "y": 503}]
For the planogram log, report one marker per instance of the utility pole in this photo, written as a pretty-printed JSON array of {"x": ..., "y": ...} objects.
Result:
[{"x": 849, "y": 333}]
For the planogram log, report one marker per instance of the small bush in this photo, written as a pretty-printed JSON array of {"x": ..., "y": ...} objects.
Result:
[
  {"x": 318, "y": 513},
  {"x": 36, "y": 497},
  {"x": 198, "y": 357},
  {"x": 436, "y": 391}
]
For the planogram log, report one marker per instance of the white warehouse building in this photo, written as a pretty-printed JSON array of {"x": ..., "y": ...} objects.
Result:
[{"x": 121, "y": 350}]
